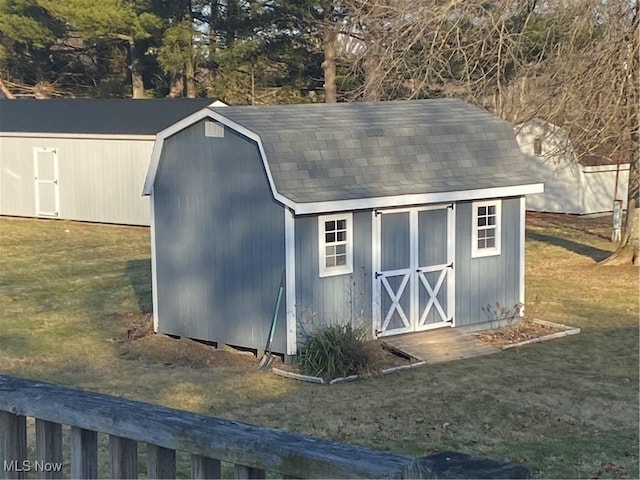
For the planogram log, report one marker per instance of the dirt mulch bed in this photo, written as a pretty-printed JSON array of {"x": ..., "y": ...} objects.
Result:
[
  {"x": 512, "y": 334},
  {"x": 140, "y": 343}
]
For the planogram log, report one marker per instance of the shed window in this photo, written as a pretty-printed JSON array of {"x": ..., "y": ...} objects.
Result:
[
  {"x": 335, "y": 242},
  {"x": 487, "y": 220}
]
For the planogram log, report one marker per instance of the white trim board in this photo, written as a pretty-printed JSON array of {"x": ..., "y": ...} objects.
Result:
[
  {"x": 521, "y": 266},
  {"x": 154, "y": 267},
  {"x": 418, "y": 199},
  {"x": 605, "y": 168},
  {"x": 290, "y": 276},
  {"x": 82, "y": 136}
]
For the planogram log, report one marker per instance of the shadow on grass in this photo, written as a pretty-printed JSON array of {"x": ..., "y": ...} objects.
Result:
[
  {"x": 596, "y": 254},
  {"x": 139, "y": 275}
]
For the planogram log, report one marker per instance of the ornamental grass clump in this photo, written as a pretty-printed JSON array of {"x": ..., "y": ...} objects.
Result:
[{"x": 334, "y": 351}]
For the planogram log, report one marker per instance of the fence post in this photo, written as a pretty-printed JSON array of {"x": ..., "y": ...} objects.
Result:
[
  {"x": 244, "y": 472},
  {"x": 14, "y": 445},
  {"x": 48, "y": 449},
  {"x": 161, "y": 462},
  {"x": 124, "y": 457},
  {"x": 84, "y": 453},
  {"x": 204, "y": 467}
]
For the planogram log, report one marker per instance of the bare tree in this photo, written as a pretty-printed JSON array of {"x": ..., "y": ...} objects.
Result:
[
  {"x": 588, "y": 85},
  {"x": 573, "y": 63}
]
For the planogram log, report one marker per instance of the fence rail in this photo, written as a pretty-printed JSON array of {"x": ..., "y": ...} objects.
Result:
[{"x": 252, "y": 449}]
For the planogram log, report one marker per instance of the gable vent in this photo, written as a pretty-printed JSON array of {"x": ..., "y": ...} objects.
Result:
[{"x": 213, "y": 129}]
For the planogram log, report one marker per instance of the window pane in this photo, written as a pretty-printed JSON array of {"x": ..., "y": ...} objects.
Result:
[
  {"x": 481, "y": 243},
  {"x": 329, "y": 251},
  {"x": 482, "y": 211},
  {"x": 341, "y": 260},
  {"x": 482, "y": 221},
  {"x": 329, "y": 226},
  {"x": 331, "y": 261},
  {"x": 330, "y": 237},
  {"x": 492, "y": 220},
  {"x": 482, "y": 233},
  {"x": 341, "y": 236},
  {"x": 341, "y": 249},
  {"x": 490, "y": 232},
  {"x": 492, "y": 210},
  {"x": 491, "y": 242},
  {"x": 342, "y": 224}
]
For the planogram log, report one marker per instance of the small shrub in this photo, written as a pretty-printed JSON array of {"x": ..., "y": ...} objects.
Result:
[
  {"x": 339, "y": 351},
  {"x": 501, "y": 312}
]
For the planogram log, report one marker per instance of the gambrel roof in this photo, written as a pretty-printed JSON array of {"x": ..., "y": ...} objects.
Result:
[
  {"x": 92, "y": 116},
  {"x": 331, "y": 153}
]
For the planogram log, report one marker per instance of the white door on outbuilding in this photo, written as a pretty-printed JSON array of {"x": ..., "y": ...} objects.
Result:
[
  {"x": 47, "y": 195},
  {"x": 413, "y": 262}
]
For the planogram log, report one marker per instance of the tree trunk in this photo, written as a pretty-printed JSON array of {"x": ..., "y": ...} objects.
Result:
[
  {"x": 176, "y": 88},
  {"x": 136, "y": 71},
  {"x": 629, "y": 249},
  {"x": 372, "y": 75},
  {"x": 191, "y": 79},
  {"x": 329, "y": 38}
]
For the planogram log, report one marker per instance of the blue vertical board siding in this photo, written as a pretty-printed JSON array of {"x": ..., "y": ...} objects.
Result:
[
  {"x": 219, "y": 241},
  {"x": 339, "y": 299},
  {"x": 485, "y": 281}
]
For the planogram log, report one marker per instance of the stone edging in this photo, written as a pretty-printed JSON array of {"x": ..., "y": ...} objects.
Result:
[
  {"x": 308, "y": 378},
  {"x": 567, "y": 331},
  {"x": 350, "y": 378}
]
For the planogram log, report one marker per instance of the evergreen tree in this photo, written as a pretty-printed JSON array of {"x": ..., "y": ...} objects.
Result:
[{"x": 128, "y": 21}]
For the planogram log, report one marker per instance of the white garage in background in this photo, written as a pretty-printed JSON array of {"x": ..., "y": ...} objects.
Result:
[
  {"x": 569, "y": 186},
  {"x": 82, "y": 159}
]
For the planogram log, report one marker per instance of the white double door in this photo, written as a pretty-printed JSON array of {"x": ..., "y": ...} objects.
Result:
[{"x": 414, "y": 270}]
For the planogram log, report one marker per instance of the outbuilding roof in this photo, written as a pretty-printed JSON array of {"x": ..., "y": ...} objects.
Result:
[
  {"x": 320, "y": 155},
  {"x": 90, "y": 116}
]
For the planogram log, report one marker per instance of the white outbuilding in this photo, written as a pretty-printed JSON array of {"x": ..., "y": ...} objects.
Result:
[
  {"x": 570, "y": 186},
  {"x": 81, "y": 159}
]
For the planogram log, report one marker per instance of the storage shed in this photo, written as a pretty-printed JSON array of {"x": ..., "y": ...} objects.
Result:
[
  {"x": 400, "y": 216},
  {"x": 81, "y": 159},
  {"x": 571, "y": 186}
]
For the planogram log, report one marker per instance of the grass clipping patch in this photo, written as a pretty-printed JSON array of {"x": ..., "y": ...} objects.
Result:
[{"x": 334, "y": 351}]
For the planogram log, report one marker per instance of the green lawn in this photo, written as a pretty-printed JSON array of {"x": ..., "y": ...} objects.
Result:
[{"x": 69, "y": 292}]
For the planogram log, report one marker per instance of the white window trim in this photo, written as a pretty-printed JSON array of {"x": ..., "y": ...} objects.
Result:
[
  {"x": 485, "y": 252},
  {"x": 325, "y": 271}
]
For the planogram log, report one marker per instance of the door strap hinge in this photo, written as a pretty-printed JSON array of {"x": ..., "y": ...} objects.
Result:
[
  {"x": 450, "y": 206},
  {"x": 378, "y": 274},
  {"x": 450, "y": 265},
  {"x": 450, "y": 320}
]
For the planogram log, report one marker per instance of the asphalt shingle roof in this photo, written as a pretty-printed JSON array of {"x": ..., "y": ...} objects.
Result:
[
  {"x": 327, "y": 152},
  {"x": 87, "y": 116}
]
